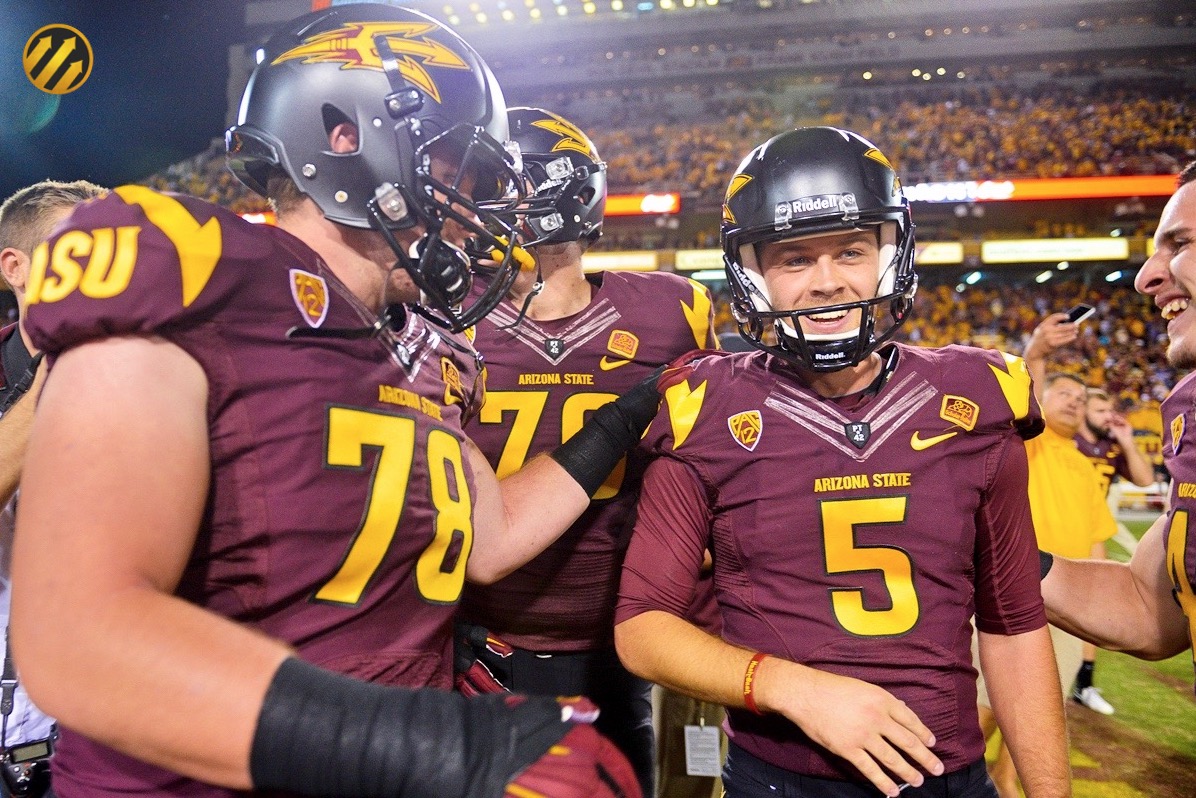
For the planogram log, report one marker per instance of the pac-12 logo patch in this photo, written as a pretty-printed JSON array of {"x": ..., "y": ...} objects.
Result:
[
  {"x": 310, "y": 293},
  {"x": 1177, "y": 432},
  {"x": 746, "y": 428}
]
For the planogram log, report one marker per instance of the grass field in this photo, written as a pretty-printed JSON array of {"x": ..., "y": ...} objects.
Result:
[{"x": 1148, "y": 748}]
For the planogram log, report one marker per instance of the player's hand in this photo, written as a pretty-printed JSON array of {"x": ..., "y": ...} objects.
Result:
[
  {"x": 1121, "y": 430},
  {"x": 1053, "y": 332},
  {"x": 863, "y": 723}
]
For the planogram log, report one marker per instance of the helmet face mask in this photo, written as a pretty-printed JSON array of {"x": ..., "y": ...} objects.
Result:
[
  {"x": 564, "y": 179},
  {"x": 410, "y": 88},
  {"x": 809, "y": 183}
]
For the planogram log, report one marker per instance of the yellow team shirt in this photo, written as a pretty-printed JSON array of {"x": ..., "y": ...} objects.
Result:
[{"x": 1066, "y": 501}]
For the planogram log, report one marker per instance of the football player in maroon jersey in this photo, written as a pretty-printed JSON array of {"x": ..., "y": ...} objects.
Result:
[
  {"x": 862, "y": 500},
  {"x": 561, "y": 344},
  {"x": 1147, "y": 607},
  {"x": 249, "y": 507}
]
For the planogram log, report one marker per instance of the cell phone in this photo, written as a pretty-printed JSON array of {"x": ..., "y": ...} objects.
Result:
[{"x": 1079, "y": 313}]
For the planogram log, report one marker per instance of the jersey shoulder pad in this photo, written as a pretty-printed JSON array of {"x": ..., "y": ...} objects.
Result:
[
  {"x": 982, "y": 388},
  {"x": 137, "y": 261},
  {"x": 673, "y": 300},
  {"x": 694, "y": 389}
]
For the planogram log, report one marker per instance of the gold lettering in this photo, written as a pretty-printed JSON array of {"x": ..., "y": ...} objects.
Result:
[
  {"x": 540, "y": 379},
  {"x": 37, "y": 273},
  {"x": 401, "y": 397},
  {"x": 108, "y": 271},
  {"x": 898, "y": 479},
  {"x": 1187, "y": 490},
  {"x": 66, "y": 270},
  {"x": 849, "y": 482}
]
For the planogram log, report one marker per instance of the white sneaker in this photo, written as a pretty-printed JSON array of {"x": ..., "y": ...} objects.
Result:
[{"x": 1091, "y": 698}]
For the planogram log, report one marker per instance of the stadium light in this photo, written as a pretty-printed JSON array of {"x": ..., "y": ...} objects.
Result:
[
  {"x": 1043, "y": 276},
  {"x": 973, "y": 278},
  {"x": 1063, "y": 266},
  {"x": 1113, "y": 277}
]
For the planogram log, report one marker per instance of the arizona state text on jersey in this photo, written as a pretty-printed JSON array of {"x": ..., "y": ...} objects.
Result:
[
  {"x": 542, "y": 379},
  {"x": 858, "y": 536}
]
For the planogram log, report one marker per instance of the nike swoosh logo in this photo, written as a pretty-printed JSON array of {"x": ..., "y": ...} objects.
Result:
[
  {"x": 606, "y": 364},
  {"x": 919, "y": 444}
]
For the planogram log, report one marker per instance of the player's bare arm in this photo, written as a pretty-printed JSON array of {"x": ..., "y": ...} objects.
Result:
[
  {"x": 517, "y": 518},
  {"x": 861, "y": 722},
  {"x": 14, "y": 436},
  {"x": 1023, "y": 685},
  {"x": 141, "y": 670},
  {"x": 1119, "y": 606}
]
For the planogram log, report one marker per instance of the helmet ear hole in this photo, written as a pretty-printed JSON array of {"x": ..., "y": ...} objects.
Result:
[{"x": 333, "y": 118}]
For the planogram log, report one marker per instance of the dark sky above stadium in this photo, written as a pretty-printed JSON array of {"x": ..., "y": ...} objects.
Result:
[{"x": 156, "y": 93}]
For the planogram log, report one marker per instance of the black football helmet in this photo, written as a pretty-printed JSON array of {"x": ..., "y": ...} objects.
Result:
[
  {"x": 565, "y": 180},
  {"x": 408, "y": 84},
  {"x": 811, "y": 181}
]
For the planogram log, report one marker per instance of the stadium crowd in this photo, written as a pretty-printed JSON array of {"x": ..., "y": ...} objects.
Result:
[
  {"x": 1121, "y": 348},
  {"x": 980, "y": 131},
  {"x": 987, "y": 131}
]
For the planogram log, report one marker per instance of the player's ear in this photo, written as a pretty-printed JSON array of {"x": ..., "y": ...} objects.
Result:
[
  {"x": 343, "y": 138},
  {"x": 14, "y": 265}
]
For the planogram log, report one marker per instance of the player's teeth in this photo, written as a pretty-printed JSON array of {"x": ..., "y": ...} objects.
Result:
[
  {"x": 827, "y": 316},
  {"x": 1174, "y": 308}
]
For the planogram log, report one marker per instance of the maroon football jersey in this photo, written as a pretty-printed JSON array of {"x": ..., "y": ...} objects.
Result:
[
  {"x": 1179, "y": 454},
  {"x": 339, "y": 513},
  {"x": 542, "y": 380},
  {"x": 859, "y": 538},
  {"x": 1107, "y": 458}
]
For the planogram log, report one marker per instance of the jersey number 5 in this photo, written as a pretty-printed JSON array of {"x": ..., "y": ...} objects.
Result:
[
  {"x": 839, "y": 520},
  {"x": 440, "y": 570}
]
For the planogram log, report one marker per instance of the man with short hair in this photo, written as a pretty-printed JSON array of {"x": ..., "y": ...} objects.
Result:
[
  {"x": 249, "y": 508},
  {"x": 1107, "y": 440},
  {"x": 861, "y": 500},
  {"x": 26, "y": 219}
]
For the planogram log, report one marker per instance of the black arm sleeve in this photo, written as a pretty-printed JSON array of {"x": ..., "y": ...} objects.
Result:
[
  {"x": 591, "y": 454},
  {"x": 323, "y": 734}
]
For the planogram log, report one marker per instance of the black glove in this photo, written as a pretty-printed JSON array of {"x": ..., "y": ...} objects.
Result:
[
  {"x": 591, "y": 454},
  {"x": 323, "y": 734}
]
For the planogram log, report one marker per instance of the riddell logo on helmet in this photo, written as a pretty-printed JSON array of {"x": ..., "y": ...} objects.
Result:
[{"x": 817, "y": 205}]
